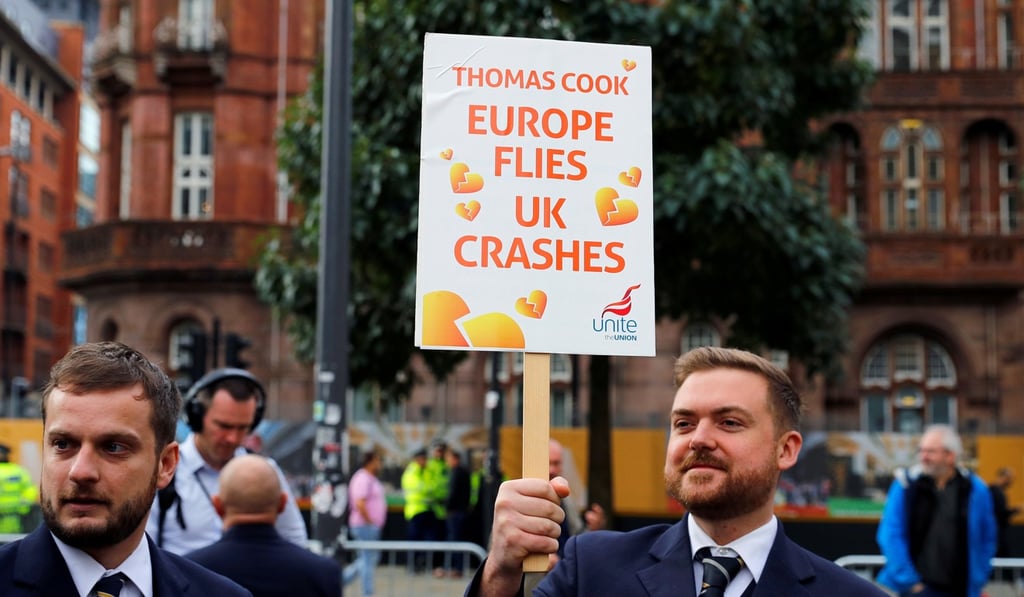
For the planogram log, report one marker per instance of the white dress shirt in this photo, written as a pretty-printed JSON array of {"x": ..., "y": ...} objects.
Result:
[
  {"x": 196, "y": 483},
  {"x": 85, "y": 571},
  {"x": 752, "y": 547}
]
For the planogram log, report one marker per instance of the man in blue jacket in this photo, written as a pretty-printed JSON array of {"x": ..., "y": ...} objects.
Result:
[{"x": 937, "y": 532}]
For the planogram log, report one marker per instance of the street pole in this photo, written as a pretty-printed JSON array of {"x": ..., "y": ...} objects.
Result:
[
  {"x": 330, "y": 445},
  {"x": 492, "y": 470}
]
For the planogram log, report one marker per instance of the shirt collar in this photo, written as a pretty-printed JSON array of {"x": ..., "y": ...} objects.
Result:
[
  {"x": 752, "y": 547},
  {"x": 190, "y": 460},
  {"x": 85, "y": 571}
]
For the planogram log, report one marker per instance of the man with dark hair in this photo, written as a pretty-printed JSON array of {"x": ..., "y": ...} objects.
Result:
[
  {"x": 109, "y": 416},
  {"x": 188, "y": 519},
  {"x": 252, "y": 552},
  {"x": 733, "y": 429}
]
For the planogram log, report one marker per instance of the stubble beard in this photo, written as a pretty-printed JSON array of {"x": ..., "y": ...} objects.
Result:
[
  {"x": 123, "y": 521},
  {"x": 739, "y": 493}
]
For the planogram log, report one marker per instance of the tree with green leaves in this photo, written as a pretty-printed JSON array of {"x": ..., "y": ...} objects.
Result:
[{"x": 736, "y": 236}]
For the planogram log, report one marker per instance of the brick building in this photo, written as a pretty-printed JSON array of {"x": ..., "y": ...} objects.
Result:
[
  {"x": 189, "y": 94},
  {"x": 929, "y": 172},
  {"x": 40, "y": 70}
]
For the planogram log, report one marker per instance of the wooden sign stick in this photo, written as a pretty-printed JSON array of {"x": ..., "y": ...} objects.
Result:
[{"x": 536, "y": 431}]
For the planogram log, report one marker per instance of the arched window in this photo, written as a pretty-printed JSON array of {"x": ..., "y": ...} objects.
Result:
[
  {"x": 912, "y": 173},
  {"x": 989, "y": 197},
  {"x": 907, "y": 381}
]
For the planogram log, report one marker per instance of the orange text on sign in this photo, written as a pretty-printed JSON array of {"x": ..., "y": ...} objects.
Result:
[
  {"x": 541, "y": 254},
  {"x": 468, "y": 76},
  {"x": 540, "y": 163},
  {"x": 527, "y": 121}
]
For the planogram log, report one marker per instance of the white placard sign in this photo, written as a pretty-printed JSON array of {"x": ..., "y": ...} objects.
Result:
[{"x": 536, "y": 201}]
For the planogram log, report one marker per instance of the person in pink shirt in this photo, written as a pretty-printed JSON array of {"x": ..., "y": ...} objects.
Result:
[{"x": 367, "y": 513}]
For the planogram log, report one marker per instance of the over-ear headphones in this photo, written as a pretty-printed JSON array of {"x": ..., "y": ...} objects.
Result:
[{"x": 195, "y": 410}]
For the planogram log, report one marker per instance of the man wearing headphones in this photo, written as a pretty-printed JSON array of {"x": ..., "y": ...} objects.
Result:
[{"x": 221, "y": 409}]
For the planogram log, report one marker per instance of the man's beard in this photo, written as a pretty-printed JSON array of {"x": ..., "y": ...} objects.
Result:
[
  {"x": 735, "y": 495},
  {"x": 124, "y": 519}
]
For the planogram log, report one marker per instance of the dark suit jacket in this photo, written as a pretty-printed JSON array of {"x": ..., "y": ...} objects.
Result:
[
  {"x": 657, "y": 561},
  {"x": 34, "y": 566},
  {"x": 258, "y": 558}
]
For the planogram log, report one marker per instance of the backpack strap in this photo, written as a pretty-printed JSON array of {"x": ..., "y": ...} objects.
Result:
[{"x": 166, "y": 498}]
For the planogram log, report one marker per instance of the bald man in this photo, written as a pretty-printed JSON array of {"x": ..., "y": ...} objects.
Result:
[{"x": 251, "y": 552}]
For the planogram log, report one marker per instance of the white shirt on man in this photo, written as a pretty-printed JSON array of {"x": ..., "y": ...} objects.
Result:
[
  {"x": 86, "y": 572},
  {"x": 196, "y": 482},
  {"x": 752, "y": 547}
]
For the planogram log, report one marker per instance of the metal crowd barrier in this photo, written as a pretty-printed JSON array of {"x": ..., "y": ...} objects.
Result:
[
  {"x": 397, "y": 573},
  {"x": 1007, "y": 579},
  {"x": 10, "y": 537}
]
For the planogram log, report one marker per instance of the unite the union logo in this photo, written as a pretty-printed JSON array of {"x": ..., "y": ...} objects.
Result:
[{"x": 617, "y": 327}]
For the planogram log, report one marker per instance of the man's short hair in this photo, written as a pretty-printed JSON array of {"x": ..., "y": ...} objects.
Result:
[
  {"x": 103, "y": 366},
  {"x": 241, "y": 390},
  {"x": 784, "y": 401}
]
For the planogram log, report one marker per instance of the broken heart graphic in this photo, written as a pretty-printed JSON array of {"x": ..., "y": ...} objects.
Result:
[
  {"x": 532, "y": 306},
  {"x": 631, "y": 177},
  {"x": 628, "y": 64},
  {"x": 447, "y": 154},
  {"x": 468, "y": 210},
  {"x": 612, "y": 210},
  {"x": 464, "y": 181}
]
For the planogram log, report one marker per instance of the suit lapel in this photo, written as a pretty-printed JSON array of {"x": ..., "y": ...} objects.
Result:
[
  {"x": 40, "y": 564},
  {"x": 168, "y": 579},
  {"x": 672, "y": 574},
  {"x": 786, "y": 571}
]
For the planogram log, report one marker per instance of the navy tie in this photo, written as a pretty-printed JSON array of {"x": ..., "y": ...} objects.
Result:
[
  {"x": 109, "y": 586},
  {"x": 719, "y": 569}
]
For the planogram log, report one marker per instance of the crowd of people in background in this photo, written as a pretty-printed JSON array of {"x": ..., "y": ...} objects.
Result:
[{"x": 112, "y": 475}]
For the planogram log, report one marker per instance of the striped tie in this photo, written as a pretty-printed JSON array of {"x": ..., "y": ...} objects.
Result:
[
  {"x": 719, "y": 568},
  {"x": 109, "y": 586}
]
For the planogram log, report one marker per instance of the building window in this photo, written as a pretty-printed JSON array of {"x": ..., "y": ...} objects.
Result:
[
  {"x": 842, "y": 175},
  {"x": 917, "y": 34},
  {"x": 84, "y": 216},
  {"x": 912, "y": 197},
  {"x": 907, "y": 382},
  {"x": 125, "y": 187},
  {"x": 48, "y": 204},
  {"x": 193, "y": 166},
  {"x": 46, "y": 257},
  {"x": 18, "y": 181},
  {"x": 988, "y": 186},
  {"x": 699, "y": 334},
  {"x": 561, "y": 367},
  {"x": 195, "y": 24},
  {"x": 21, "y": 130},
  {"x": 561, "y": 408},
  {"x": 1006, "y": 46},
  {"x": 44, "y": 317},
  {"x": 87, "y": 171}
]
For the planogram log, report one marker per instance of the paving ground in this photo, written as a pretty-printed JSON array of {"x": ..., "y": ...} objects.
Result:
[{"x": 399, "y": 581}]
